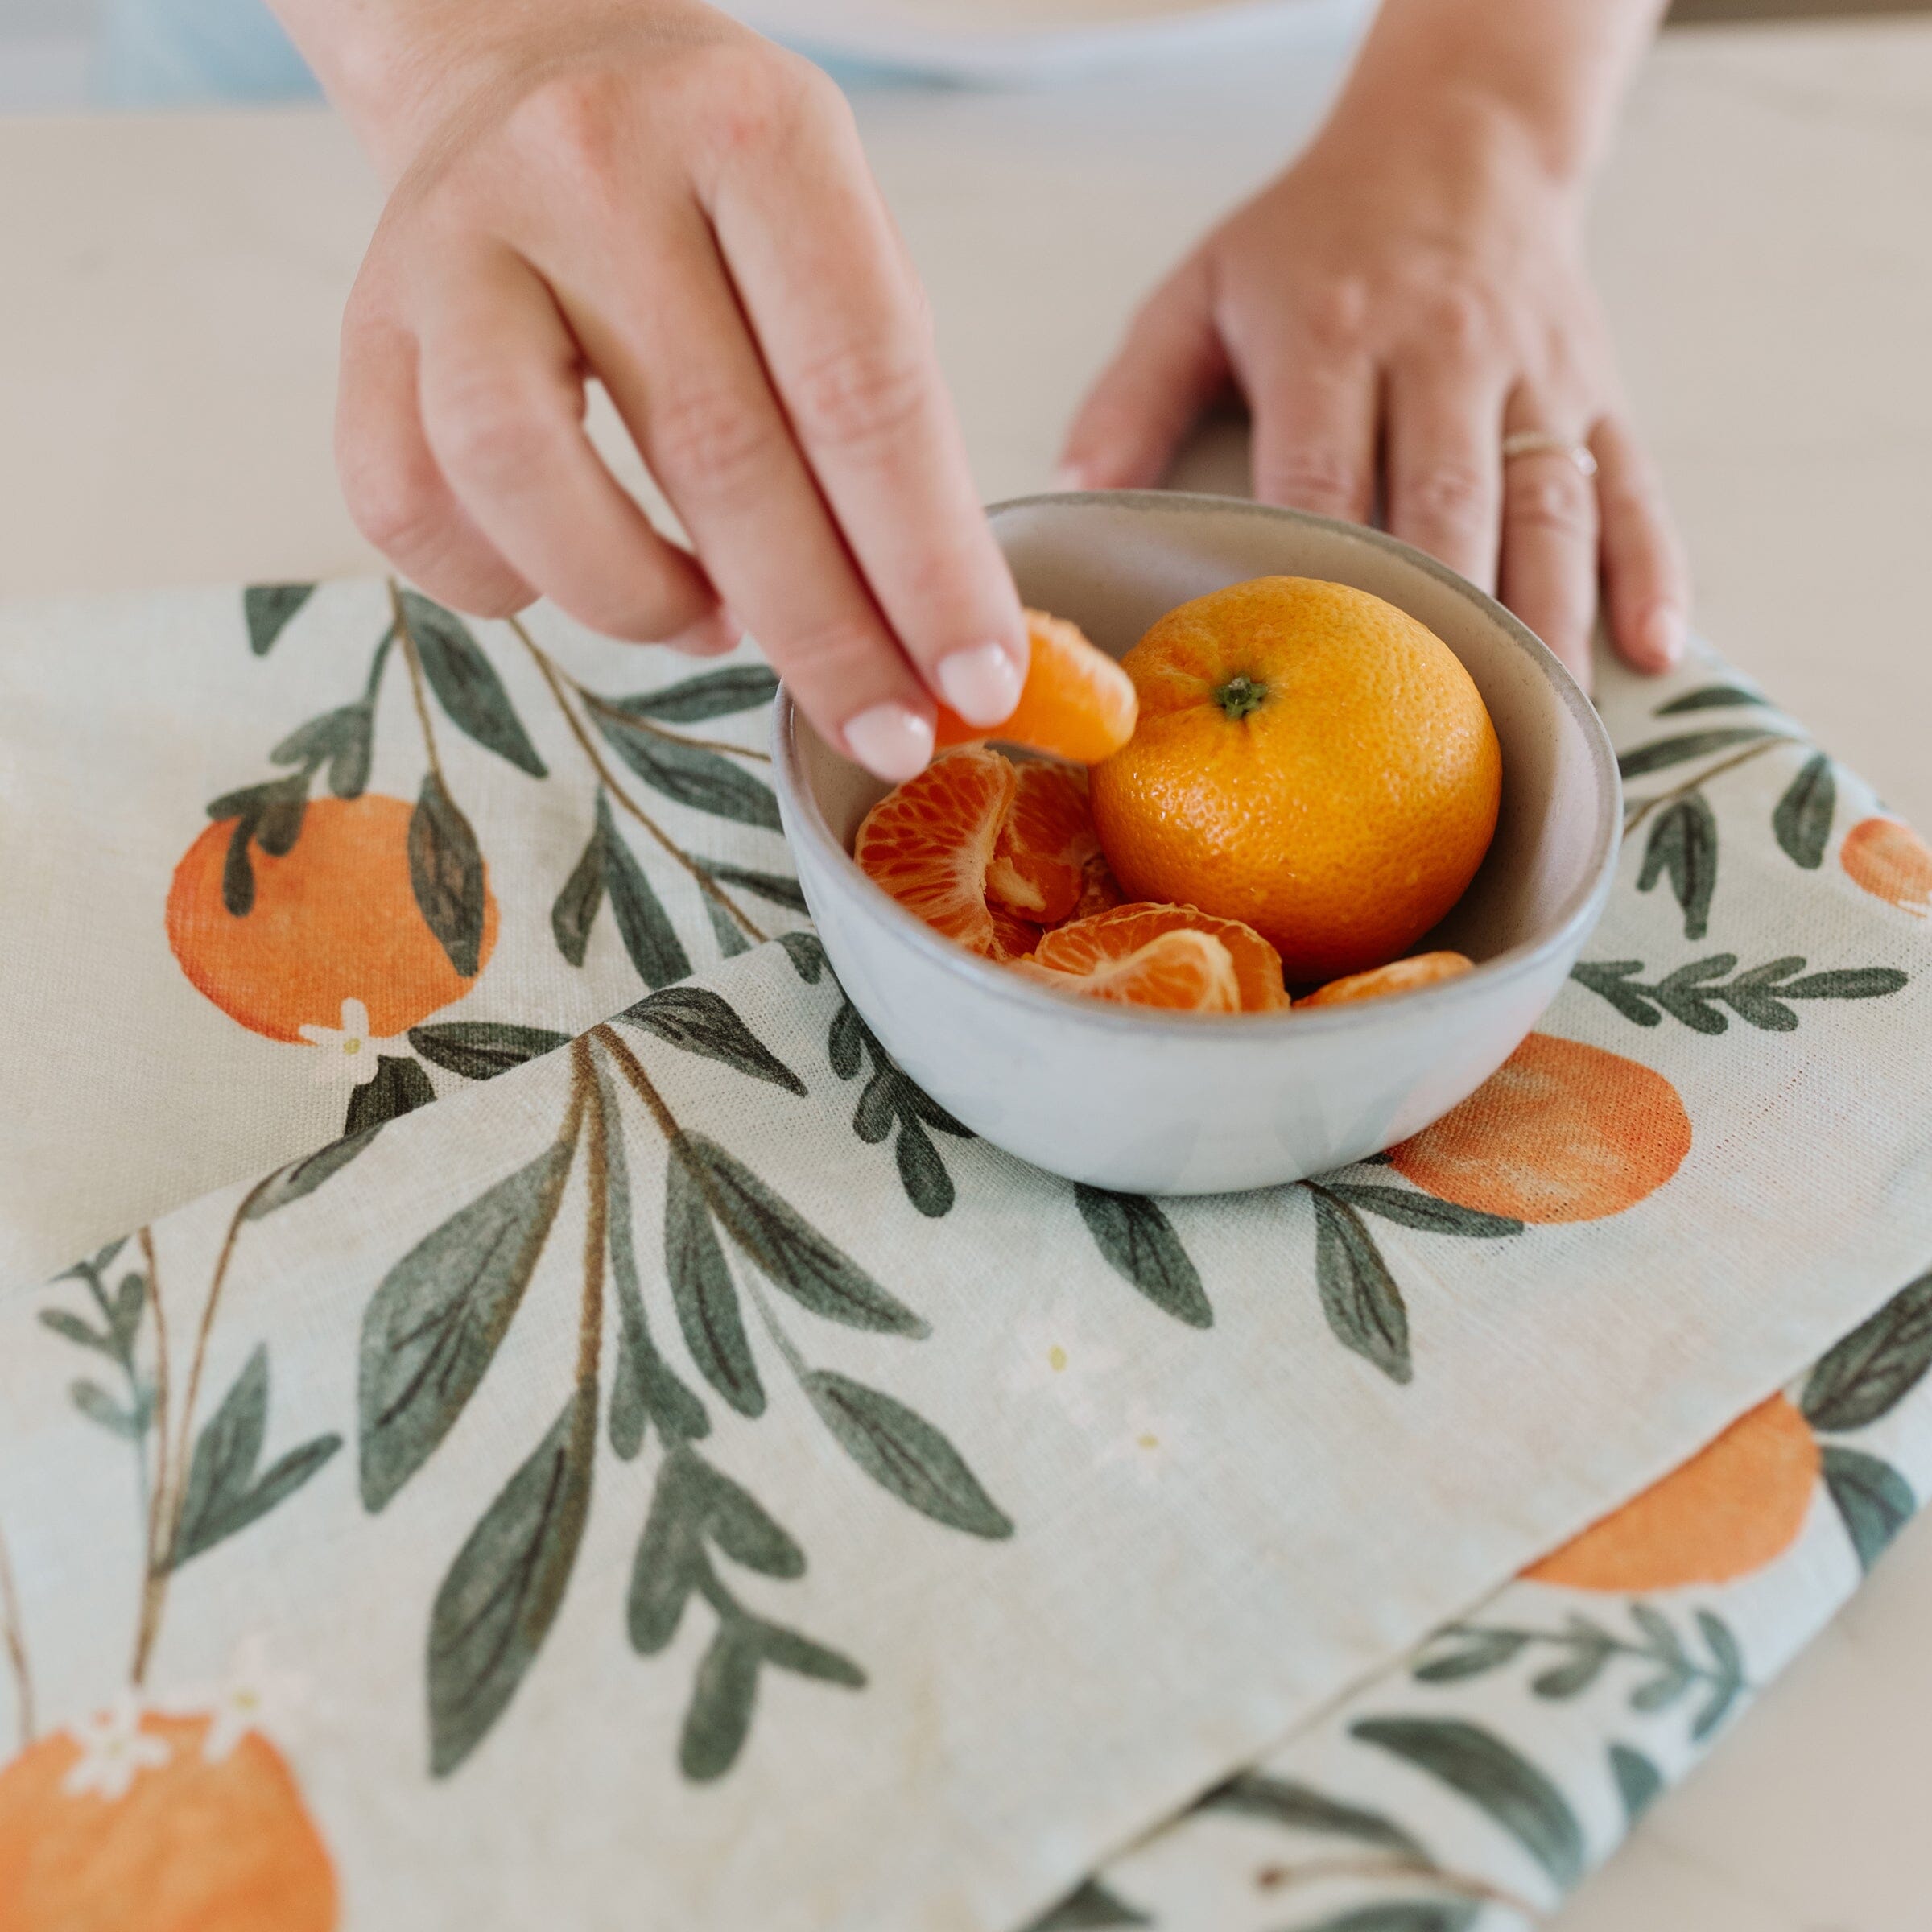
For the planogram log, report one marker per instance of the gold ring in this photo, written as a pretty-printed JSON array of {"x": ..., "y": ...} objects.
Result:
[{"x": 1539, "y": 443}]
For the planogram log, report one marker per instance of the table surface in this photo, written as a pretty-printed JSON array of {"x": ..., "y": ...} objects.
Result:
[{"x": 167, "y": 371}]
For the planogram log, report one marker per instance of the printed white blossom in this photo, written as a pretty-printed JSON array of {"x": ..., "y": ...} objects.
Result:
[
  {"x": 1148, "y": 1444},
  {"x": 253, "y": 1696},
  {"x": 1053, "y": 1354},
  {"x": 346, "y": 1049},
  {"x": 114, "y": 1750}
]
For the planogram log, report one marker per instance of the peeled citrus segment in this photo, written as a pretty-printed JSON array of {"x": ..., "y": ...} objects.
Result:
[
  {"x": 928, "y": 842},
  {"x": 1399, "y": 976},
  {"x": 1100, "y": 890},
  {"x": 1185, "y": 970},
  {"x": 1088, "y": 944},
  {"x": 1039, "y": 863},
  {"x": 1014, "y": 938},
  {"x": 1077, "y": 702}
]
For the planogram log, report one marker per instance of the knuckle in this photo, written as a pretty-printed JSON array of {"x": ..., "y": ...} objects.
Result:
[
  {"x": 711, "y": 442},
  {"x": 1321, "y": 480},
  {"x": 833, "y": 659},
  {"x": 1335, "y": 314},
  {"x": 1448, "y": 494},
  {"x": 748, "y": 99},
  {"x": 485, "y": 430},
  {"x": 1457, "y": 322},
  {"x": 857, "y": 398},
  {"x": 1552, "y": 498},
  {"x": 397, "y": 506},
  {"x": 571, "y": 124}
]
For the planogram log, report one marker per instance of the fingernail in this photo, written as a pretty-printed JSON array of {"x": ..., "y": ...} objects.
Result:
[
  {"x": 1662, "y": 634},
  {"x": 892, "y": 741},
  {"x": 981, "y": 683},
  {"x": 1070, "y": 476},
  {"x": 711, "y": 637}
]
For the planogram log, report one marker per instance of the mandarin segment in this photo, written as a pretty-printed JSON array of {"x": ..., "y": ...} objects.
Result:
[
  {"x": 1890, "y": 861},
  {"x": 1089, "y": 945},
  {"x": 193, "y": 1845},
  {"x": 1561, "y": 1132},
  {"x": 1181, "y": 969},
  {"x": 334, "y": 919},
  {"x": 1014, "y": 938},
  {"x": 1399, "y": 976},
  {"x": 1075, "y": 703},
  {"x": 1737, "y": 1505},
  {"x": 1100, "y": 890},
  {"x": 1039, "y": 868},
  {"x": 1310, "y": 760},
  {"x": 928, "y": 842}
]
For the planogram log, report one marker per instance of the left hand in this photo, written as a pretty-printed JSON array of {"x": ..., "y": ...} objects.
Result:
[{"x": 1392, "y": 311}]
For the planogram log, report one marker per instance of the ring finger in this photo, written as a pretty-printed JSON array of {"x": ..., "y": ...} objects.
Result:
[{"x": 1550, "y": 529}]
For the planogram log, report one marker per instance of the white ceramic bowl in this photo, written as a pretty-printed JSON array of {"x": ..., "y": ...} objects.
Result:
[{"x": 1155, "y": 1102}]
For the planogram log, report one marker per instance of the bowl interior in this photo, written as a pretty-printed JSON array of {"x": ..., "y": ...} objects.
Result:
[{"x": 1115, "y": 562}]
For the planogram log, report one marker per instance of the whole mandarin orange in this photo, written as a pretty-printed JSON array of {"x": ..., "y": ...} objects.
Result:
[{"x": 1308, "y": 760}]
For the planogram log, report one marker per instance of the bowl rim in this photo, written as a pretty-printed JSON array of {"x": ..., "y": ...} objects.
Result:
[{"x": 1576, "y": 918}]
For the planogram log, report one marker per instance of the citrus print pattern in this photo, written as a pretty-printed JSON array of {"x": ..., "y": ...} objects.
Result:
[{"x": 1891, "y": 862}]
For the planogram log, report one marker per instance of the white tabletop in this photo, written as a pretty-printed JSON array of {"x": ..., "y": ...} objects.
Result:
[{"x": 167, "y": 368}]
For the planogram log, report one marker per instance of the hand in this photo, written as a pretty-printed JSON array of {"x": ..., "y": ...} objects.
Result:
[
  {"x": 1414, "y": 302},
  {"x": 651, "y": 195}
]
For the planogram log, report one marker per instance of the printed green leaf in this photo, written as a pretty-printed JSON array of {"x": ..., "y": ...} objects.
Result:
[
  {"x": 267, "y": 608},
  {"x": 1853, "y": 983},
  {"x": 721, "y": 1699},
  {"x": 1710, "y": 697},
  {"x": 803, "y": 1657},
  {"x": 304, "y": 1177},
  {"x": 776, "y": 887},
  {"x": 502, "y": 1593},
  {"x": 1574, "y": 1676},
  {"x": 1663, "y": 752},
  {"x": 433, "y": 1325},
  {"x": 1729, "y": 1659},
  {"x": 1364, "y": 1305},
  {"x": 1683, "y": 844},
  {"x": 446, "y": 874},
  {"x": 1802, "y": 817},
  {"x": 848, "y": 1041},
  {"x": 878, "y": 1107},
  {"x": 903, "y": 1453},
  {"x": 689, "y": 775},
  {"x": 1091, "y": 1908},
  {"x": 649, "y": 937},
  {"x": 670, "y": 1563},
  {"x": 399, "y": 1087},
  {"x": 1404, "y": 1915},
  {"x": 98, "y": 1406},
  {"x": 70, "y": 1328},
  {"x": 1612, "y": 980},
  {"x": 480, "y": 1050},
  {"x": 737, "y": 1522},
  {"x": 1409, "y": 1208},
  {"x": 1284, "y": 1801},
  {"x": 1638, "y": 1780},
  {"x": 1470, "y": 1652},
  {"x": 1138, "y": 1241},
  {"x": 466, "y": 683},
  {"x": 789, "y": 1252},
  {"x": 1495, "y": 1777},
  {"x": 702, "y": 1290},
  {"x": 922, "y": 1173},
  {"x": 731, "y": 937},
  {"x": 807, "y": 956},
  {"x": 711, "y": 694},
  {"x": 576, "y": 911},
  {"x": 1874, "y": 1500},
  {"x": 1880, "y": 1362},
  {"x": 699, "y": 1021},
  {"x": 224, "y": 1494}
]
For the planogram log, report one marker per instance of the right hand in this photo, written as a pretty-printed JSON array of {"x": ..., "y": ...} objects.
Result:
[{"x": 656, "y": 196}]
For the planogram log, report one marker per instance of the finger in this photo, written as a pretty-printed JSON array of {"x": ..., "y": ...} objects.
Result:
[
  {"x": 1444, "y": 437},
  {"x": 1646, "y": 580},
  {"x": 394, "y": 491},
  {"x": 1311, "y": 391},
  {"x": 1550, "y": 538},
  {"x": 1171, "y": 367},
  {"x": 687, "y": 380},
  {"x": 813, "y": 261},
  {"x": 502, "y": 407}
]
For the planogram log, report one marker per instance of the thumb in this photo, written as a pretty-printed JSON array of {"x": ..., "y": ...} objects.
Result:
[{"x": 1171, "y": 367}]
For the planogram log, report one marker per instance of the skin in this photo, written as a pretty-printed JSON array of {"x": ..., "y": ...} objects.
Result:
[{"x": 643, "y": 192}]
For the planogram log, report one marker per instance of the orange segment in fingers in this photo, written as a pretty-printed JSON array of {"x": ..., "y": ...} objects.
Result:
[
  {"x": 1077, "y": 702},
  {"x": 928, "y": 843},
  {"x": 1089, "y": 943},
  {"x": 1039, "y": 864},
  {"x": 1399, "y": 976},
  {"x": 1183, "y": 970}
]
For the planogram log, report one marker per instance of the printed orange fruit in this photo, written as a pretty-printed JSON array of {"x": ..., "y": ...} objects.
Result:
[
  {"x": 1100, "y": 944},
  {"x": 335, "y": 918},
  {"x": 1399, "y": 976},
  {"x": 1181, "y": 968},
  {"x": 1077, "y": 702},
  {"x": 1560, "y": 1132},
  {"x": 929, "y": 841},
  {"x": 1039, "y": 868},
  {"x": 1889, "y": 860},
  {"x": 191, "y": 1845},
  {"x": 1738, "y": 1503},
  {"x": 1309, "y": 760}
]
